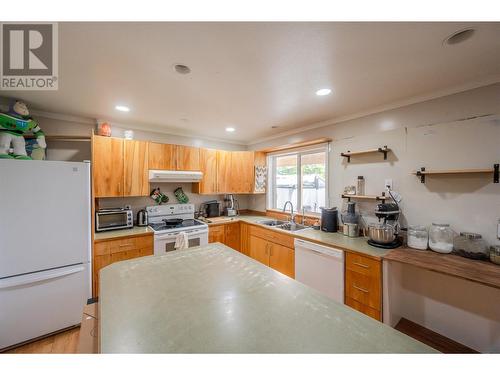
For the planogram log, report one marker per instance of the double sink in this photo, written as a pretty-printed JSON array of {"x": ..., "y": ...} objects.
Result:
[{"x": 285, "y": 225}]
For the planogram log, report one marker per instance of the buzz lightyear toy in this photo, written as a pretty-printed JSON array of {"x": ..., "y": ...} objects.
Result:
[{"x": 13, "y": 125}]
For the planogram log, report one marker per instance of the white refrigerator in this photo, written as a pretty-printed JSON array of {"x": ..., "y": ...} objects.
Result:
[{"x": 45, "y": 271}]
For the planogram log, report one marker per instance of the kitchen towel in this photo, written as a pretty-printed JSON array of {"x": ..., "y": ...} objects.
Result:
[{"x": 181, "y": 241}]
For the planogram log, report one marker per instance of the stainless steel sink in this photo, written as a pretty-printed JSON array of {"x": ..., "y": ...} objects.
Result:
[
  {"x": 285, "y": 225},
  {"x": 272, "y": 223}
]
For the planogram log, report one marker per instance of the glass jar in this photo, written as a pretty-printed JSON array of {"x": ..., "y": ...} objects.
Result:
[
  {"x": 471, "y": 245},
  {"x": 418, "y": 237},
  {"x": 441, "y": 238}
]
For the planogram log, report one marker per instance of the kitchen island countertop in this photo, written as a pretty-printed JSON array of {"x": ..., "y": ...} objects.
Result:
[{"x": 213, "y": 299}]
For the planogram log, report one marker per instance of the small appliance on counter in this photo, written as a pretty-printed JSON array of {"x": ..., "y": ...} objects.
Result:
[
  {"x": 231, "y": 205},
  {"x": 350, "y": 220},
  {"x": 142, "y": 218},
  {"x": 113, "y": 218},
  {"x": 329, "y": 219},
  {"x": 386, "y": 235},
  {"x": 210, "y": 209}
]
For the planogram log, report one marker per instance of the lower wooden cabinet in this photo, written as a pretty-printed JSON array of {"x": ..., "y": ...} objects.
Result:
[
  {"x": 265, "y": 247},
  {"x": 217, "y": 233},
  {"x": 232, "y": 234},
  {"x": 114, "y": 250},
  {"x": 363, "y": 284}
]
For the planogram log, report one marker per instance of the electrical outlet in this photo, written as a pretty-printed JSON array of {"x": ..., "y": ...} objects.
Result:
[
  {"x": 498, "y": 230},
  {"x": 388, "y": 184}
]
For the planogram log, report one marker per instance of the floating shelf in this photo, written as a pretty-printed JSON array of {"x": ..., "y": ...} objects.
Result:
[
  {"x": 382, "y": 197},
  {"x": 65, "y": 138},
  {"x": 423, "y": 172},
  {"x": 384, "y": 150}
]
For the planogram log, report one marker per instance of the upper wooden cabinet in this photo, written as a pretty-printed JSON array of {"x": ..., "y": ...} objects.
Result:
[
  {"x": 119, "y": 167},
  {"x": 187, "y": 158},
  {"x": 161, "y": 156},
  {"x": 224, "y": 171},
  {"x": 135, "y": 159},
  {"x": 208, "y": 165},
  {"x": 107, "y": 166},
  {"x": 236, "y": 171}
]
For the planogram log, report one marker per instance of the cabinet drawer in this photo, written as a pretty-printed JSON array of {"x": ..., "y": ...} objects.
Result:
[
  {"x": 363, "y": 265},
  {"x": 272, "y": 236},
  {"x": 367, "y": 310},
  {"x": 363, "y": 288}
]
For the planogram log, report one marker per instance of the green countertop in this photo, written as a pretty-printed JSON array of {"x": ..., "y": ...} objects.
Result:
[
  {"x": 118, "y": 233},
  {"x": 213, "y": 299},
  {"x": 338, "y": 240}
]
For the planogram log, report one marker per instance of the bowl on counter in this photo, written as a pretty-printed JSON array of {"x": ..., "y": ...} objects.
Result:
[{"x": 382, "y": 233}]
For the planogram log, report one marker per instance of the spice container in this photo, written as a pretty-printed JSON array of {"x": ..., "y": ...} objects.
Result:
[
  {"x": 471, "y": 245},
  {"x": 441, "y": 238},
  {"x": 360, "y": 187},
  {"x": 495, "y": 254},
  {"x": 418, "y": 237}
]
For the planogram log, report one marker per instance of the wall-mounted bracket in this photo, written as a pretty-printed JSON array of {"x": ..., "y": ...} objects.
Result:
[
  {"x": 384, "y": 150},
  {"x": 495, "y": 173},
  {"x": 421, "y": 175}
]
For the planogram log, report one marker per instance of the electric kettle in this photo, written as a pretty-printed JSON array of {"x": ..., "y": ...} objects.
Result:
[{"x": 142, "y": 218}]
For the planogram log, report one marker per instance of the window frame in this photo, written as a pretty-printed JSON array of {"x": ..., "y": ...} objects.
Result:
[{"x": 298, "y": 152}]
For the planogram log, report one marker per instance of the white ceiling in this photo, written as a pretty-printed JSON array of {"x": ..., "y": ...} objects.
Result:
[{"x": 254, "y": 75}]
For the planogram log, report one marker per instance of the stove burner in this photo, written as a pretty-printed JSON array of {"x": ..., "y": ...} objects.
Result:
[{"x": 179, "y": 223}]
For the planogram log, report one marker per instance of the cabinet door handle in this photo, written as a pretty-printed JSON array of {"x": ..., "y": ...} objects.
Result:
[
  {"x": 125, "y": 245},
  {"x": 361, "y": 265},
  {"x": 271, "y": 250},
  {"x": 360, "y": 289},
  {"x": 119, "y": 188}
]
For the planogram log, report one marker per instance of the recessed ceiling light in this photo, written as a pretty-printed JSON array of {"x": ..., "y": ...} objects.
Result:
[
  {"x": 323, "y": 92},
  {"x": 230, "y": 130},
  {"x": 122, "y": 108},
  {"x": 459, "y": 36},
  {"x": 182, "y": 69}
]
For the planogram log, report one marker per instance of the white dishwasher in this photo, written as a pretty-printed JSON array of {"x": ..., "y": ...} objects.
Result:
[{"x": 321, "y": 268}]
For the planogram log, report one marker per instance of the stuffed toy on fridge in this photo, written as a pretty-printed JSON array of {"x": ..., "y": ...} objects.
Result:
[{"x": 13, "y": 125}]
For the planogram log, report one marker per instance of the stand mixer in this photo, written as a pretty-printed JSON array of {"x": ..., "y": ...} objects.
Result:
[{"x": 386, "y": 234}]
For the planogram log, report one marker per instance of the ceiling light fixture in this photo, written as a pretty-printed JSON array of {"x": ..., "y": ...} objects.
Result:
[
  {"x": 323, "y": 92},
  {"x": 459, "y": 36},
  {"x": 230, "y": 130},
  {"x": 182, "y": 69},
  {"x": 122, "y": 108}
]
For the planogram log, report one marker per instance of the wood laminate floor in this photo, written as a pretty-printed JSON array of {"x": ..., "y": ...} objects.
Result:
[{"x": 61, "y": 343}]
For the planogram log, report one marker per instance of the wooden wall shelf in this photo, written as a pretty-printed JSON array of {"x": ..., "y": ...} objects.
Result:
[
  {"x": 384, "y": 150},
  {"x": 423, "y": 172},
  {"x": 382, "y": 197}
]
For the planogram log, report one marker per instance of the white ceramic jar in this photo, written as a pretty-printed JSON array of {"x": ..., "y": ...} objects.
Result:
[{"x": 418, "y": 237}]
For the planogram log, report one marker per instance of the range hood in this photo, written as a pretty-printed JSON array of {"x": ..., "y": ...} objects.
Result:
[{"x": 160, "y": 175}]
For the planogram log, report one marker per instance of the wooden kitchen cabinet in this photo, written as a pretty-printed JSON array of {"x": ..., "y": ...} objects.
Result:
[
  {"x": 244, "y": 238},
  {"x": 107, "y": 166},
  {"x": 242, "y": 167},
  {"x": 119, "y": 167},
  {"x": 232, "y": 234},
  {"x": 363, "y": 284},
  {"x": 216, "y": 233},
  {"x": 259, "y": 249},
  {"x": 282, "y": 259},
  {"x": 208, "y": 165},
  {"x": 135, "y": 168},
  {"x": 224, "y": 176},
  {"x": 161, "y": 156},
  {"x": 187, "y": 158},
  {"x": 109, "y": 251},
  {"x": 273, "y": 249}
]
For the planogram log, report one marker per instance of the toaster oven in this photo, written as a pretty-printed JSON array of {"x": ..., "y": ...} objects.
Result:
[{"x": 113, "y": 218}]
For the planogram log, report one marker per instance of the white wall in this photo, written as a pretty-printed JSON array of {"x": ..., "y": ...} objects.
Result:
[
  {"x": 453, "y": 132},
  {"x": 462, "y": 310}
]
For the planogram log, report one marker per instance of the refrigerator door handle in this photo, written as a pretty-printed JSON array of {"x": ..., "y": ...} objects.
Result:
[{"x": 39, "y": 276}]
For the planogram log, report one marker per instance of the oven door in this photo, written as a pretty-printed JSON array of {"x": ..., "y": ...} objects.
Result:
[{"x": 164, "y": 243}]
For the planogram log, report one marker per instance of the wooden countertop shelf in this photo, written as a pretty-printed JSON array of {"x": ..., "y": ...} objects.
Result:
[
  {"x": 423, "y": 172},
  {"x": 348, "y": 154},
  {"x": 382, "y": 197},
  {"x": 478, "y": 271}
]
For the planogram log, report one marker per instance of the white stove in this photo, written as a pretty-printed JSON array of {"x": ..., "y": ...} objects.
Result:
[{"x": 168, "y": 220}]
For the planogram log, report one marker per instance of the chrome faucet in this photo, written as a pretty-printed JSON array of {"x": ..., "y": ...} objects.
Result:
[{"x": 292, "y": 216}]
